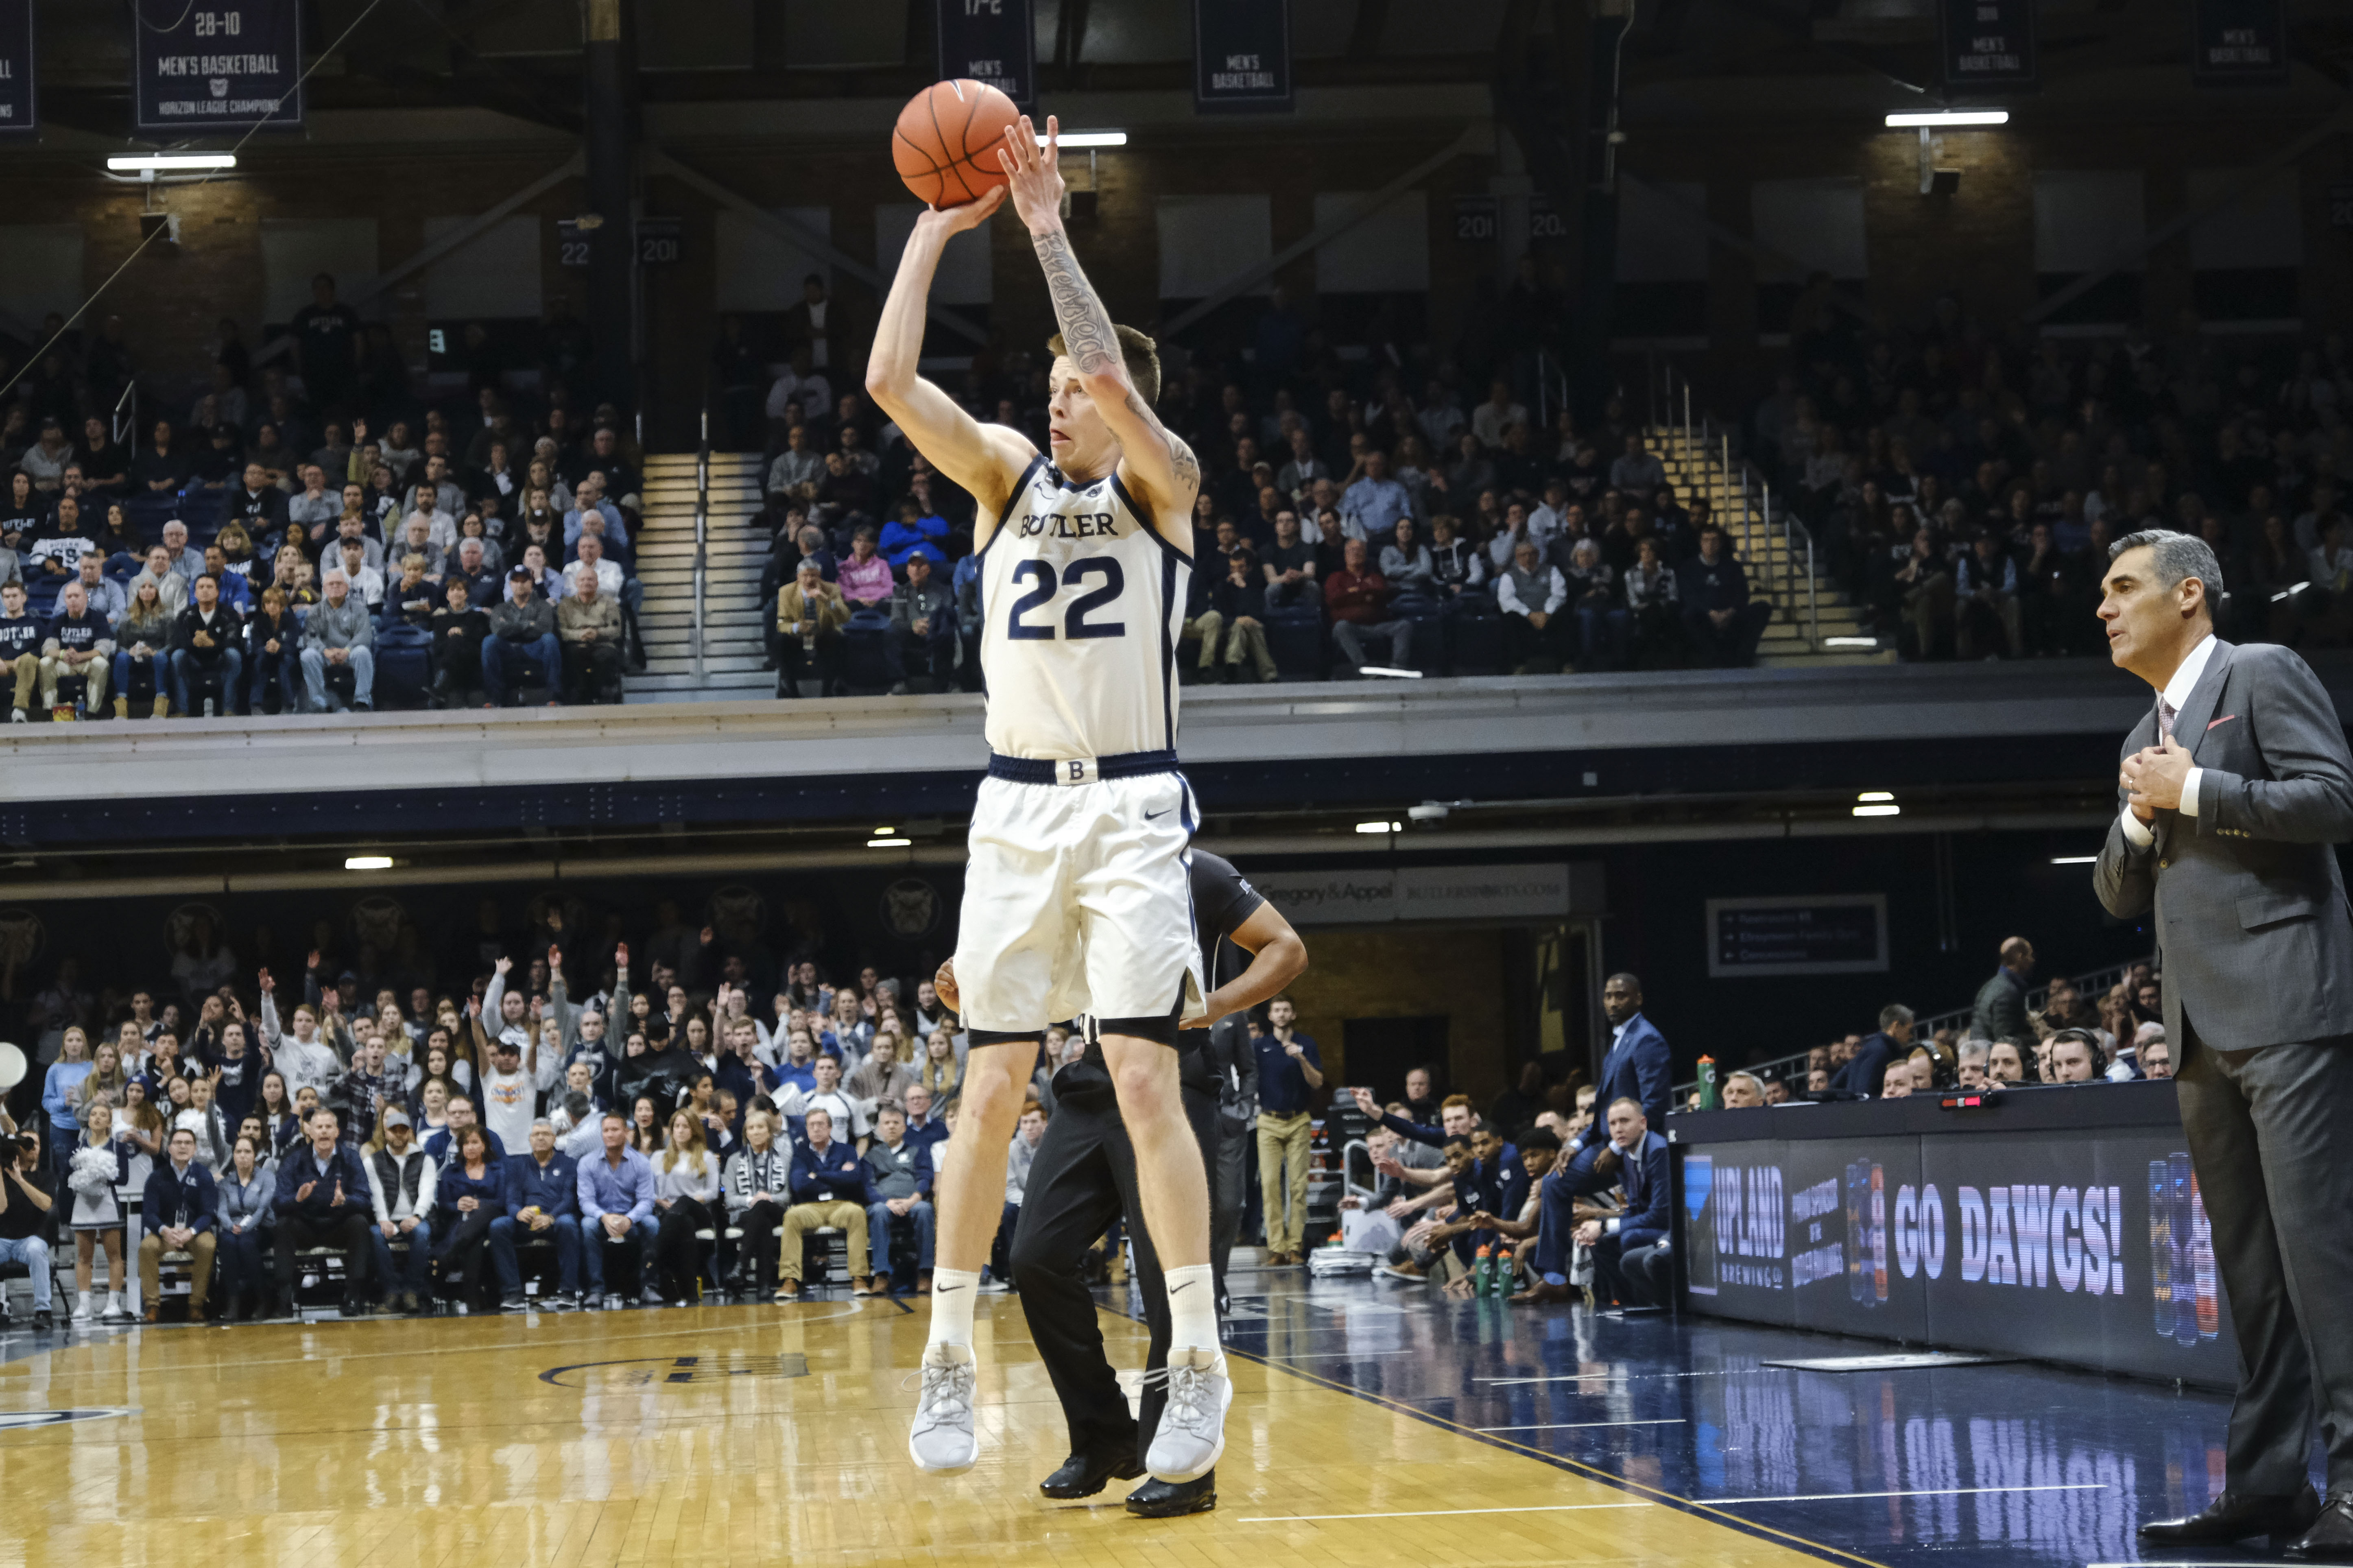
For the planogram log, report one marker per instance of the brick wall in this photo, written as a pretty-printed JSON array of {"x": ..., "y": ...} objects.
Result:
[
  {"x": 172, "y": 299},
  {"x": 1411, "y": 974}
]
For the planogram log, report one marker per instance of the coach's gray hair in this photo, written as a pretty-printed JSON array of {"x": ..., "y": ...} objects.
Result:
[{"x": 2178, "y": 555}]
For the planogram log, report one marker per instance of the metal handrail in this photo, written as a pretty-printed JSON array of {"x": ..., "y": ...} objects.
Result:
[
  {"x": 1924, "y": 1028},
  {"x": 126, "y": 426},
  {"x": 701, "y": 534},
  {"x": 1348, "y": 1187}
]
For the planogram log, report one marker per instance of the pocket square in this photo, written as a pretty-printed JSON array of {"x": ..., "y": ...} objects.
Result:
[{"x": 2226, "y": 718}]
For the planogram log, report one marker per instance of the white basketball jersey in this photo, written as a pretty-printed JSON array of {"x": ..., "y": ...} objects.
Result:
[{"x": 1084, "y": 604}]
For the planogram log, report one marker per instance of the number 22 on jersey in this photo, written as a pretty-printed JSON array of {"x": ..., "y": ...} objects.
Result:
[{"x": 1045, "y": 586}]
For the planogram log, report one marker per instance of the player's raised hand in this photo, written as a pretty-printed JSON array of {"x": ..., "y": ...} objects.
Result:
[
  {"x": 952, "y": 220},
  {"x": 1037, "y": 171}
]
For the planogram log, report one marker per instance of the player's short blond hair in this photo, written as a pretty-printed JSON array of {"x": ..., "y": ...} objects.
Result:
[{"x": 1136, "y": 351}]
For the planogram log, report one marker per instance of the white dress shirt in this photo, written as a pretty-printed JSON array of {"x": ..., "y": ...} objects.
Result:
[{"x": 2176, "y": 693}]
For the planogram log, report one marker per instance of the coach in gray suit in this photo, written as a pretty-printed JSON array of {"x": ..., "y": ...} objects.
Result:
[{"x": 2235, "y": 787}]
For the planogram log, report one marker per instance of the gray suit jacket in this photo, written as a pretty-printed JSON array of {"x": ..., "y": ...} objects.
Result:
[{"x": 2252, "y": 931}]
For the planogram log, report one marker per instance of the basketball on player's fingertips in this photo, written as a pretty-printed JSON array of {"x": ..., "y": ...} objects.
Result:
[{"x": 946, "y": 140}]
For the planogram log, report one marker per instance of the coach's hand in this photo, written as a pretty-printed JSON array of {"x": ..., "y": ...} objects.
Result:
[
  {"x": 944, "y": 984},
  {"x": 2154, "y": 777}
]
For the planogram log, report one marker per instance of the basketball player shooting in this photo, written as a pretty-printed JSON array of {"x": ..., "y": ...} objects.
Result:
[{"x": 1076, "y": 897}]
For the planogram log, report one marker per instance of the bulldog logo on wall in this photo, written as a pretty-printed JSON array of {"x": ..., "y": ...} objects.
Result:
[
  {"x": 377, "y": 922},
  {"x": 22, "y": 937},
  {"x": 911, "y": 907}
]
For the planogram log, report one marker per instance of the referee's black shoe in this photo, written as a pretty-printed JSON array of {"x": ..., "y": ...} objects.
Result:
[
  {"x": 1084, "y": 1475},
  {"x": 1157, "y": 1499}
]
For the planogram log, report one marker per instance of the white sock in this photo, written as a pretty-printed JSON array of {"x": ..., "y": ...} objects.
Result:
[
  {"x": 1193, "y": 1309},
  {"x": 114, "y": 1300},
  {"x": 82, "y": 1302},
  {"x": 952, "y": 1290}
]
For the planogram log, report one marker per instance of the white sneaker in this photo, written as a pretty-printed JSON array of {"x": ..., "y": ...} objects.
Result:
[
  {"x": 943, "y": 1439},
  {"x": 1192, "y": 1432},
  {"x": 84, "y": 1312}
]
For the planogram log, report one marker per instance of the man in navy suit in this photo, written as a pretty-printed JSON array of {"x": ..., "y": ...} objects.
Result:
[
  {"x": 179, "y": 1207},
  {"x": 324, "y": 1200},
  {"x": 1868, "y": 1070},
  {"x": 1636, "y": 1067},
  {"x": 543, "y": 1199},
  {"x": 1631, "y": 1261}
]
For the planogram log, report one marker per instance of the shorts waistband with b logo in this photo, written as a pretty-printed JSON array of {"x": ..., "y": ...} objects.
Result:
[{"x": 1080, "y": 769}]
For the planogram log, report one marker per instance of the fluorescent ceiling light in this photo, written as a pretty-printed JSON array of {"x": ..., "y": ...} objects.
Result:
[
  {"x": 1875, "y": 795},
  {"x": 368, "y": 863},
  {"x": 1091, "y": 139},
  {"x": 2074, "y": 860},
  {"x": 888, "y": 843},
  {"x": 1380, "y": 827},
  {"x": 1950, "y": 117},
  {"x": 1888, "y": 811},
  {"x": 171, "y": 161}
]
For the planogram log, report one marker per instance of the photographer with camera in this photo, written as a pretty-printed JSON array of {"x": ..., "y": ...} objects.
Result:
[{"x": 28, "y": 1218}]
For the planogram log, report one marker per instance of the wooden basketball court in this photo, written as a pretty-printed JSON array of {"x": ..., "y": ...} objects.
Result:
[{"x": 732, "y": 1435}]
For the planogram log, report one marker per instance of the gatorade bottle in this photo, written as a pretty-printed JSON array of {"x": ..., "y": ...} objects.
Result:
[
  {"x": 1707, "y": 1097},
  {"x": 1483, "y": 1273}
]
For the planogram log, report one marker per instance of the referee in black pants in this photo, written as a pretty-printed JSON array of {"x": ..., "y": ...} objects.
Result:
[{"x": 1083, "y": 1178}]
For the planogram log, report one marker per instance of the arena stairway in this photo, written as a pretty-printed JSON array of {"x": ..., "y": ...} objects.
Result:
[
  {"x": 1776, "y": 568},
  {"x": 735, "y": 551}
]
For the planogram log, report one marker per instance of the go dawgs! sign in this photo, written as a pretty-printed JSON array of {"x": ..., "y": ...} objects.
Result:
[
  {"x": 2093, "y": 1248},
  {"x": 217, "y": 65}
]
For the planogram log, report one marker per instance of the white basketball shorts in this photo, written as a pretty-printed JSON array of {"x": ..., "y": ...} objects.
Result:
[{"x": 1077, "y": 899}]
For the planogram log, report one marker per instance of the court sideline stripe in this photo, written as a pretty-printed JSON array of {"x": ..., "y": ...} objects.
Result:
[
  {"x": 1436, "y": 1512},
  {"x": 1567, "y": 1426},
  {"x": 1559, "y": 1462},
  {"x": 1926, "y": 1492}
]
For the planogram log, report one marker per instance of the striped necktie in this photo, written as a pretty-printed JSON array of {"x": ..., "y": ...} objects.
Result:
[{"x": 2166, "y": 714}]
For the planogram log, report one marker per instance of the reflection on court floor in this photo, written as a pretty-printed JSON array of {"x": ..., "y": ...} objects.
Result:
[{"x": 1371, "y": 1424}]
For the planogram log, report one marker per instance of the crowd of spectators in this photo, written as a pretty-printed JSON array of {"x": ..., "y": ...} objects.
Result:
[
  {"x": 671, "y": 1140},
  {"x": 1352, "y": 514},
  {"x": 598, "y": 1126},
  {"x": 658, "y": 1131},
  {"x": 1966, "y": 483},
  {"x": 308, "y": 534},
  {"x": 2115, "y": 1038}
]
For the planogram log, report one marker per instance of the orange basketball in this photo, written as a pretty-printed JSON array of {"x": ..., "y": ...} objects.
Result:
[{"x": 946, "y": 140}]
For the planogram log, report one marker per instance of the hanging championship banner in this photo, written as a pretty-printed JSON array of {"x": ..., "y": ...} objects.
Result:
[
  {"x": 217, "y": 65},
  {"x": 992, "y": 41},
  {"x": 2238, "y": 43},
  {"x": 17, "y": 110},
  {"x": 1986, "y": 43},
  {"x": 1241, "y": 56}
]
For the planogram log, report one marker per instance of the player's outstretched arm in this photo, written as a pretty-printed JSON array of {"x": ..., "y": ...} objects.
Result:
[
  {"x": 1156, "y": 465},
  {"x": 986, "y": 460}
]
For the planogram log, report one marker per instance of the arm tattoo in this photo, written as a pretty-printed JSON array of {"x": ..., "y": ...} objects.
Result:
[
  {"x": 1094, "y": 345},
  {"x": 1182, "y": 463},
  {"x": 1086, "y": 326}
]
